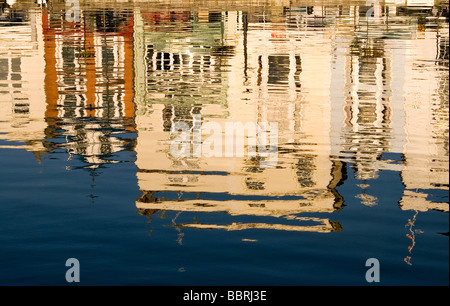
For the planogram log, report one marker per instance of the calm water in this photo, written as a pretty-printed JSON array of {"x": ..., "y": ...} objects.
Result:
[{"x": 89, "y": 94}]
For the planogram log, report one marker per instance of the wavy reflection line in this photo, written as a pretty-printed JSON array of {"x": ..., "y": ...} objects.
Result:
[{"x": 326, "y": 226}]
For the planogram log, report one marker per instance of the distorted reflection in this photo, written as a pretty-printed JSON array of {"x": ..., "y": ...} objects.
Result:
[
  {"x": 229, "y": 73},
  {"x": 350, "y": 86},
  {"x": 89, "y": 82}
]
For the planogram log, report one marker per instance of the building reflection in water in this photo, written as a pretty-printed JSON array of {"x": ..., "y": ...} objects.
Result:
[
  {"x": 89, "y": 82},
  {"x": 21, "y": 79},
  {"x": 231, "y": 74},
  {"x": 69, "y": 85},
  {"x": 343, "y": 88}
]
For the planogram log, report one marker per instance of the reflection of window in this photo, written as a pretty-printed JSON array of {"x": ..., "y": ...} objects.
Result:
[
  {"x": 21, "y": 107},
  {"x": 367, "y": 70},
  {"x": 215, "y": 17},
  {"x": 278, "y": 69},
  {"x": 4, "y": 65},
  {"x": 107, "y": 56},
  {"x": 110, "y": 21},
  {"x": 443, "y": 49},
  {"x": 178, "y": 113},
  {"x": 10, "y": 70},
  {"x": 70, "y": 104},
  {"x": 305, "y": 171},
  {"x": 254, "y": 185}
]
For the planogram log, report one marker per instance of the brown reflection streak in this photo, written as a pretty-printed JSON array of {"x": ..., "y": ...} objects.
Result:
[
  {"x": 128, "y": 72},
  {"x": 51, "y": 85},
  {"x": 91, "y": 74}
]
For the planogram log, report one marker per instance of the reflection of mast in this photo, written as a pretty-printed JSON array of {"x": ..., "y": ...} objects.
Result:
[
  {"x": 93, "y": 175},
  {"x": 245, "y": 44},
  {"x": 417, "y": 202},
  {"x": 411, "y": 236},
  {"x": 91, "y": 78},
  {"x": 97, "y": 100},
  {"x": 178, "y": 228}
]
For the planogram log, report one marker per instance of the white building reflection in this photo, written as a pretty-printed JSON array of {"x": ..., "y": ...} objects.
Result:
[
  {"x": 347, "y": 94},
  {"x": 22, "y": 99}
]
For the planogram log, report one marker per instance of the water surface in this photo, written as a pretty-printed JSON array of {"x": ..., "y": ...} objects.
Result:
[{"x": 359, "y": 92}]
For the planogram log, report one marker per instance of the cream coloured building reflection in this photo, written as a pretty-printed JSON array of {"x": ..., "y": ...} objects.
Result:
[
  {"x": 426, "y": 124},
  {"x": 346, "y": 91},
  {"x": 259, "y": 70},
  {"x": 388, "y": 114},
  {"x": 22, "y": 99}
]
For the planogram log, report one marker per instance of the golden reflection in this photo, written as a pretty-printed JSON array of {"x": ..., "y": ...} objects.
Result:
[
  {"x": 89, "y": 81},
  {"x": 412, "y": 236},
  {"x": 22, "y": 106},
  {"x": 325, "y": 227},
  {"x": 232, "y": 74},
  {"x": 349, "y": 84}
]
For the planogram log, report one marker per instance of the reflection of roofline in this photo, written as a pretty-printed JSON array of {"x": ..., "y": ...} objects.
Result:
[
  {"x": 272, "y": 208},
  {"x": 327, "y": 226}
]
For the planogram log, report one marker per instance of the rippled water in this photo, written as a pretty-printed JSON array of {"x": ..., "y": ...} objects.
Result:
[{"x": 359, "y": 91}]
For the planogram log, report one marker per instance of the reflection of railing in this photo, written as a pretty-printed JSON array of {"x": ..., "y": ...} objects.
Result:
[
  {"x": 251, "y": 204},
  {"x": 411, "y": 236},
  {"x": 195, "y": 73},
  {"x": 324, "y": 202}
]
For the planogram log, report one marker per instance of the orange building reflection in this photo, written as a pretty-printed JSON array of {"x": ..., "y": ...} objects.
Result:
[{"x": 89, "y": 80}]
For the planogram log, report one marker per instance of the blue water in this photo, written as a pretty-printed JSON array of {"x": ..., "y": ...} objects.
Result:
[{"x": 50, "y": 214}]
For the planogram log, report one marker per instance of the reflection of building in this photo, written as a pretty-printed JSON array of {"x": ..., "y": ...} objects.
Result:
[
  {"x": 180, "y": 50},
  {"x": 256, "y": 76},
  {"x": 365, "y": 123},
  {"x": 89, "y": 81},
  {"x": 395, "y": 114},
  {"x": 334, "y": 91},
  {"x": 426, "y": 124},
  {"x": 22, "y": 100},
  {"x": 368, "y": 119},
  {"x": 65, "y": 79}
]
